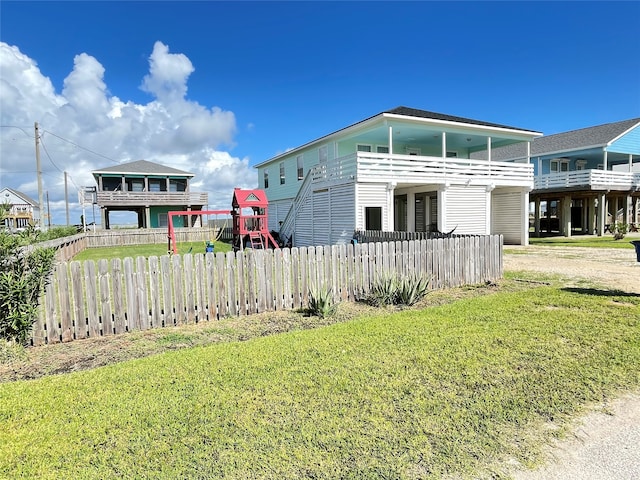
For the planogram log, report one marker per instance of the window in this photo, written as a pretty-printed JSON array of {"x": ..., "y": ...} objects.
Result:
[
  {"x": 300, "y": 167},
  {"x": 581, "y": 164},
  {"x": 382, "y": 149},
  {"x": 282, "y": 179},
  {"x": 560, "y": 165},
  {"x": 452, "y": 154},
  {"x": 156, "y": 185},
  {"x": 266, "y": 179},
  {"x": 373, "y": 218},
  {"x": 163, "y": 220},
  {"x": 363, "y": 148},
  {"x": 323, "y": 154}
]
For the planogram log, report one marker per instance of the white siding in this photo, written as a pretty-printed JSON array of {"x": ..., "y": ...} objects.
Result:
[
  {"x": 320, "y": 221},
  {"x": 506, "y": 216},
  {"x": 371, "y": 195},
  {"x": 343, "y": 215},
  {"x": 466, "y": 209},
  {"x": 277, "y": 212}
]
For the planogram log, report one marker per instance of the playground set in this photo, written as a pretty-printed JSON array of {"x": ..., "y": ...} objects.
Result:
[{"x": 249, "y": 219}]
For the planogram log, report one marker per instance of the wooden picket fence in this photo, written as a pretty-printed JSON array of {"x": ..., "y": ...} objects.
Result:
[{"x": 86, "y": 299}]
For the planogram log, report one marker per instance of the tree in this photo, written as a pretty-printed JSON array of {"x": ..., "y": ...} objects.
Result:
[{"x": 24, "y": 271}]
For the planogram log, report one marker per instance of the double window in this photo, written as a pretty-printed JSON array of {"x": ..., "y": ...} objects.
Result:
[{"x": 559, "y": 165}]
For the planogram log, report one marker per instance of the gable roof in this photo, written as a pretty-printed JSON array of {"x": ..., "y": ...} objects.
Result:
[
  {"x": 581, "y": 139},
  {"x": 26, "y": 198},
  {"x": 414, "y": 112},
  {"x": 143, "y": 167},
  {"x": 407, "y": 113}
]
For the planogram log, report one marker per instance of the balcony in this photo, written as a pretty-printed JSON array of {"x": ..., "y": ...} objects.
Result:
[
  {"x": 132, "y": 199},
  {"x": 408, "y": 170},
  {"x": 588, "y": 180}
]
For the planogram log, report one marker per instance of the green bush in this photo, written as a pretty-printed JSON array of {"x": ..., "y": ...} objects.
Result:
[
  {"x": 321, "y": 302},
  {"x": 411, "y": 290},
  {"x": 24, "y": 271}
]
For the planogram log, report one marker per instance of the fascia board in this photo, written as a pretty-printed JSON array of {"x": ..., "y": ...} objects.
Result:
[{"x": 466, "y": 126}]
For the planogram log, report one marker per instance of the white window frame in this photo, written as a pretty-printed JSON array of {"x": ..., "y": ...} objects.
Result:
[
  {"x": 382, "y": 148},
  {"x": 283, "y": 179},
  {"x": 559, "y": 165},
  {"x": 323, "y": 154},
  {"x": 300, "y": 167},
  {"x": 368, "y": 148}
]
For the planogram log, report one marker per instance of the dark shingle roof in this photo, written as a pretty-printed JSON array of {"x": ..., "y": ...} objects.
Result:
[
  {"x": 143, "y": 167},
  {"x": 414, "y": 112},
  {"x": 598, "y": 136}
]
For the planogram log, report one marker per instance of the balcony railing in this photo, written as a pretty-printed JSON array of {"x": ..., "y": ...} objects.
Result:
[
  {"x": 589, "y": 179},
  {"x": 412, "y": 169},
  {"x": 119, "y": 198}
]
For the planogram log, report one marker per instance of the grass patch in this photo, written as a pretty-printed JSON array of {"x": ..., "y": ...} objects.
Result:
[
  {"x": 154, "y": 249},
  {"x": 455, "y": 389},
  {"x": 585, "y": 241}
]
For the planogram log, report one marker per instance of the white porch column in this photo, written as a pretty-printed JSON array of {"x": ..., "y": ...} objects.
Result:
[
  {"x": 566, "y": 215},
  {"x": 592, "y": 223},
  {"x": 489, "y": 210},
  {"x": 489, "y": 150},
  {"x": 631, "y": 162},
  {"x": 528, "y": 152},
  {"x": 442, "y": 208},
  {"x": 444, "y": 145},
  {"x": 524, "y": 236},
  {"x": 602, "y": 213},
  {"x": 390, "y": 139},
  {"x": 147, "y": 217},
  {"x": 411, "y": 212},
  {"x": 604, "y": 161},
  {"x": 390, "y": 207}
]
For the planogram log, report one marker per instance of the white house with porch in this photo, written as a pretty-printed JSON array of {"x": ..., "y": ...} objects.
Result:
[{"x": 400, "y": 170}]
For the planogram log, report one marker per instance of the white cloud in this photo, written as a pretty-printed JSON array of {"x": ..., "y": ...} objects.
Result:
[{"x": 169, "y": 129}]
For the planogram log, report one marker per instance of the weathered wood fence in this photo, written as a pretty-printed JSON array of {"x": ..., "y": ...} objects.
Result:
[
  {"x": 90, "y": 300},
  {"x": 368, "y": 236},
  {"x": 66, "y": 247},
  {"x": 111, "y": 238}
]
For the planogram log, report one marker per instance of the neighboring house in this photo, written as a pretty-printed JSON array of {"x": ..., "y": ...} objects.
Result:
[
  {"x": 584, "y": 179},
  {"x": 149, "y": 189},
  {"x": 23, "y": 210},
  {"x": 400, "y": 170}
]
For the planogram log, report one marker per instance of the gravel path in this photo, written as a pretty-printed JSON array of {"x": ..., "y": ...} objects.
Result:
[{"x": 605, "y": 444}]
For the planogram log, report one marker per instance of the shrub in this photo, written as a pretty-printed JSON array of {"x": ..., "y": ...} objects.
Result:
[
  {"x": 321, "y": 302},
  {"x": 619, "y": 230},
  {"x": 24, "y": 271},
  {"x": 393, "y": 290}
]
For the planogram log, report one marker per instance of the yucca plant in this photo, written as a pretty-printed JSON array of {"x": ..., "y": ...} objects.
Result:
[
  {"x": 322, "y": 303},
  {"x": 383, "y": 291},
  {"x": 411, "y": 290}
]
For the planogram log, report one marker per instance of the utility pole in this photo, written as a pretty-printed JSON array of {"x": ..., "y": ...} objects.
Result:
[
  {"x": 48, "y": 211},
  {"x": 66, "y": 197},
  {"x": 39, "y": 175}
]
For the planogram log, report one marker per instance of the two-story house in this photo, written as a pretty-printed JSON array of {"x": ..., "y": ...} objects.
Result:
[
  {"x": 22, "y": 209},
  {"x": 400, "y": 170},
  {"x": 149, "y": 189},
  {"x": 585, "y": 179}
]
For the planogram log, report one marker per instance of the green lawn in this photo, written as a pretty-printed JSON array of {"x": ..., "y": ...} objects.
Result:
[
  {"x": 455, "y": 390},
  {"x": 605, "y": 241},
  {"x": 156, "y": 249}
]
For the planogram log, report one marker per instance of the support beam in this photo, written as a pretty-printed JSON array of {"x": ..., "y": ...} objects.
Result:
[
  {"x": 566, "y": 216},
  {"x": 536, "y": 216},
  {"x": 411, "y": 212},
  {"x": 524, "y": 238},
  {"x": 602, "y": 213}
]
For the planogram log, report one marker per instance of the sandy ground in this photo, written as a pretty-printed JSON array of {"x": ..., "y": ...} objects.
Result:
[{"x": 605, "y": 444}]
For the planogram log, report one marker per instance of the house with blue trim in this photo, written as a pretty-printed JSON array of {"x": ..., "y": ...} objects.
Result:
[
  {"x": 149, "y": 189},
  {"x": 401, "y": 170},
  {"x": 585, "y": 180}
]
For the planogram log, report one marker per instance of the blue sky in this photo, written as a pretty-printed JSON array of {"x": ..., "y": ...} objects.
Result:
[{"x": 267, "y": 76}]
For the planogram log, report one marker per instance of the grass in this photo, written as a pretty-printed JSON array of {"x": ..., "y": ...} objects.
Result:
[
  {"x": 457, "y": 389},
  {"x": 585, "y": 241},
  {"x": 155, "y": 249}
]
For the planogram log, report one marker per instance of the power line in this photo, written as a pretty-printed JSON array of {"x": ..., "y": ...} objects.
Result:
[{"x": 80, "y": 146}]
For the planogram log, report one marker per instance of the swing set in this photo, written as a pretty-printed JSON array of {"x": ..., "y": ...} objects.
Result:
[{"x": 249, "y": 217}]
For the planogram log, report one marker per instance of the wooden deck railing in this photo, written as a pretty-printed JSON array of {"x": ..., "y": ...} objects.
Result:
[{"x": 119, "y": 198}]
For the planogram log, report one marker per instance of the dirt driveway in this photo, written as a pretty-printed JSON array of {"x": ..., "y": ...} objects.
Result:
[{"x": 615, "y": 268}]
